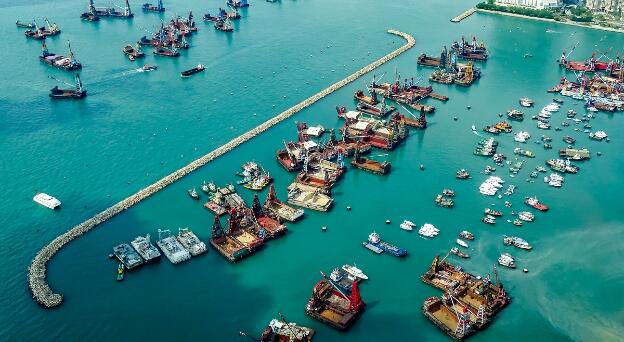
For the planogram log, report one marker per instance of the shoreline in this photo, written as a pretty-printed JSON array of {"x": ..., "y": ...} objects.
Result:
[
  {"x": 37, "y": 283},
  {"x": 570, "y": 23}
]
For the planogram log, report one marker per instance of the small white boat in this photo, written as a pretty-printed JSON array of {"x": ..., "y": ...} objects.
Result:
[
  {"x": 354, "y": 271},
  {"x": 47, "y": 200},
  {"x": 406, "y": 226},
  {"x": 462, "y": 243}
]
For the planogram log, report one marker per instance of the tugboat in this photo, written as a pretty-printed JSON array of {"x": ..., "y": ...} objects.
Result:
[
  {"x": 193, "y": 193},
  {"x": 507, "y": 260},
  {"x": 133, "y": 52},
  {"x": 120, "y": 272},
  {"x": 534, "y": 202},
  {"x": 459, "y": 253},
  {"x": 190, "y": 72},
  {"x": 77, "y": 93}
]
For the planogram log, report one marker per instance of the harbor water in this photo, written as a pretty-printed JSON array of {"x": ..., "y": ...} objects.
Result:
[{"x": 136, "y": 127}]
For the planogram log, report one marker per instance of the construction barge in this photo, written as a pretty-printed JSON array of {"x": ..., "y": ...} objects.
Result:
[
  {"x": 143, "y": 245},
  {"x": 95, "y": 13},
  {"x": 269, "y": 223},
  {"x": 191, "y": 242},
  {"x": 330, "y": 305},
  {"x": 127, "y": 256},
  {"x": 174, "y": 251},
  {"x": 277, "y": 209},
  {"x": 227, "y": 246},
  {"x": 373, "y": 166},
  {"x": 68, "y": 63},
  {"x": 469, "y": 302},
  {"x": 308, "y": 197}
]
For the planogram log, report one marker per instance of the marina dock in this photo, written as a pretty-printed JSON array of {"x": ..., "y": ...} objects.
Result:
[
  {"x": 464, "y": 15},
  {"x": 41, "y": 290}
]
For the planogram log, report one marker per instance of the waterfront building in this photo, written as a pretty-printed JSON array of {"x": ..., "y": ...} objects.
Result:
[{"x": 534, "y": 4}]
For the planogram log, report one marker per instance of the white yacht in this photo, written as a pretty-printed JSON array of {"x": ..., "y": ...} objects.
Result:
[
  {"x": 354, "y": 271},
  {"x": 462, "y": 243},
  {"x": 428, "y": 230},
  {"x": 47, "y": 200},
  {"x": 507, "y": 260},
  {"x": 522, "y": 136},
  {"x": 406, "y": 226}
]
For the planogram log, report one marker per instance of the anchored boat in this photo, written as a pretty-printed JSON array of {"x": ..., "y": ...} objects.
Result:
[
  {"x": 68, "y": 63},
  {"x": 77, "y": 93},
  {"x": 190, "y": 72},
  {"x": 171, "y": 247}
]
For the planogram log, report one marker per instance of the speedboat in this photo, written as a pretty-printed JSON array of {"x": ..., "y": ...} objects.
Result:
[
  {"x": 47, "y": 200},
  {"x": 462, "y": 243},
  {"x": 354, "y": 271}
]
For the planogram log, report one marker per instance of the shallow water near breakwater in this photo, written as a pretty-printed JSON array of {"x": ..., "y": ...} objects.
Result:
[{"x": 133, "y": 130}]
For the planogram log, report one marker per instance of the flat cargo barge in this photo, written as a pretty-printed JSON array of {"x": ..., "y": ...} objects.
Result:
[
  {"x": 127, "y": 256},
  {"x": 362, "y": 163},
  {"x": 277, "y": 209},
  {"x": 143, "y": 245},
  {"x": 305, "y": 197},
  {"x": 171, "y": 247}
]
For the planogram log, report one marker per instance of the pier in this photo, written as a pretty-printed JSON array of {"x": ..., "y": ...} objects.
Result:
[
  {"x": 39, "y": 287},
  {"x": 464, "y": 15}
]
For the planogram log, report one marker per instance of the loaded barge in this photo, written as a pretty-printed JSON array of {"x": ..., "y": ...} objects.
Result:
[
  {"x": 227, "y": 246},
  {"x": 191, "y": 242},
  {"x": 362, "y": 163},
  {"x": 308, "y": 197},
  {"x": 333, "y": 307},
  {"x": 127, "y": 256},
  {"x": 272, "y": 225},
  {"x": 280, "y": 330},
  {"x": 477, "y": 299},
  {"x": 59, "y": 61},
  {"x": 77, "y": 93},
  {"x": 145, "y": 248},
  {"x": 277, "y": 209},
  {"x": 171, "y": 247}
]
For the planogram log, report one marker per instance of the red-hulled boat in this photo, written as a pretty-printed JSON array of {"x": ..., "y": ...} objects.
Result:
[{"x": 535, "y": 203}]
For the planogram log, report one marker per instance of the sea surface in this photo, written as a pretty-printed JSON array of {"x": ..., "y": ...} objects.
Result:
[{"x": 134, "y": 128}]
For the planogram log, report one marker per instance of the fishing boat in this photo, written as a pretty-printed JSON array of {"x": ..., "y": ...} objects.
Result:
[
  {"x": 25, "y": 25},
  {"x": 507, "y": 260},
  {"x": 493, "y": 212},
  {"x": 534, "y": 202},
  {"x": 375, "y": 240},
  {"x": 459, "y": 253},
  {"x": 515, "y": 114},
  {"x": 464, "y": 234},
  {"x": 77, "y": 93},
  {"x": 193, "y": 193},
  {"x": 488, "y": 219},
  {"x": 526, "y": 216},
  {"x": 516, "y": 242},
  {"x": 120, "y": 272},
  {"x": 462, "y": 174},
  {"x": 133, "y": 52}
]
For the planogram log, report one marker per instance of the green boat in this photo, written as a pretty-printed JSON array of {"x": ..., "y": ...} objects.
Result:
[{"x": 120, "y": 272}]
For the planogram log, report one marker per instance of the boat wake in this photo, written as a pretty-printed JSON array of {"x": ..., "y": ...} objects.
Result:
[
  {"x": 571, "y": 305},
  {"x": 115, "y": 76}
]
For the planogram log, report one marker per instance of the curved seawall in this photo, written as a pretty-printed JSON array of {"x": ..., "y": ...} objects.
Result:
[{"x": 40, "y": 289}]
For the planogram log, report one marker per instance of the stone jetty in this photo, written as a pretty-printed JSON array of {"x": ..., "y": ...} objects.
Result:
[
  {"x": 464, "y": 15},
  {"x": 40, "y": 289}
]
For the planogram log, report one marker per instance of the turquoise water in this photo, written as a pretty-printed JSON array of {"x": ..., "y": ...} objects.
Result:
[{"x": 137, "y": 127}]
